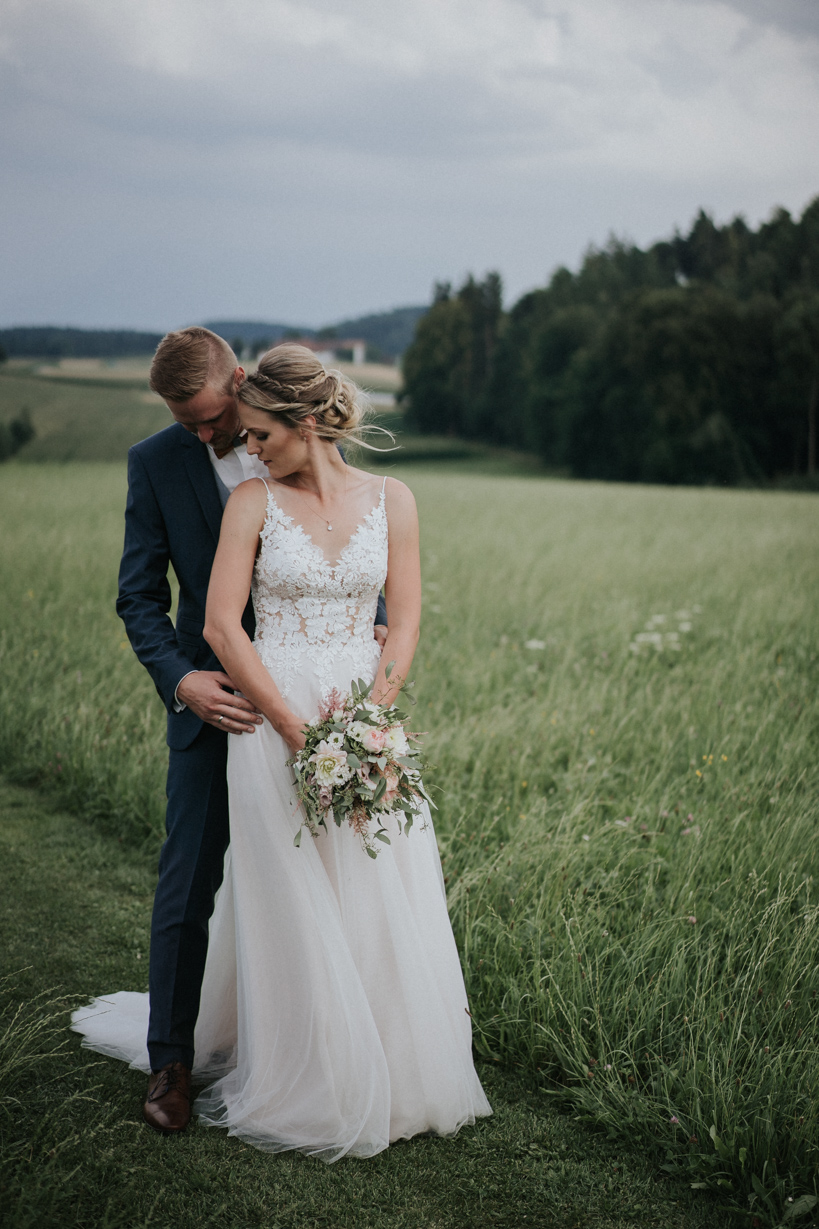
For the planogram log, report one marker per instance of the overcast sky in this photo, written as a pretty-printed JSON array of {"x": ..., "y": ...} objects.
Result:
[{"x": 169, "y": 161}]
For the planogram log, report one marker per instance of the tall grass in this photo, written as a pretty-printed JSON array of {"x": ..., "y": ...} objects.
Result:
[
  {"x": 36, "y": 1075},
  {"x": 77, "y": 713},
  {"x": 629, "y": 837}
]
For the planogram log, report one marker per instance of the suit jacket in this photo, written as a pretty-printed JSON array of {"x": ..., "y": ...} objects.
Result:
[{"x": 172, "y": 517}]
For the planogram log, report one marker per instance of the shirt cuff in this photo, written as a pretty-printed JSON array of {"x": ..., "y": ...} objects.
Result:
[{"x": 178, "y": 706}]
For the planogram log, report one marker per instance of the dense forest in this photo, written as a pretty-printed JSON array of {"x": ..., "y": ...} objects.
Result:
[{"x": 695, "y": 361}]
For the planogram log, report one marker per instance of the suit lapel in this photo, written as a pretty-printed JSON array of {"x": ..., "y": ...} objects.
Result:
[{"x": 200, "y": 472}]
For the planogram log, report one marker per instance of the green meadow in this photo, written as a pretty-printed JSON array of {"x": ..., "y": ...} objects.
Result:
[{"x": 619, "y": 689}]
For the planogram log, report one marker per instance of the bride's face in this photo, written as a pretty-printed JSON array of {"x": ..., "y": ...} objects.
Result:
[{"x": 280, "y": 447}]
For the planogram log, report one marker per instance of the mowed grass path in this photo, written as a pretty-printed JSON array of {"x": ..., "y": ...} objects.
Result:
[{"x": 629, "y": 837}]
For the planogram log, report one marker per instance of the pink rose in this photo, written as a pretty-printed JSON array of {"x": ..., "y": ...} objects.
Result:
[
  {"x": 374, "y": 739},
  {"x": 325, "y": 796}
]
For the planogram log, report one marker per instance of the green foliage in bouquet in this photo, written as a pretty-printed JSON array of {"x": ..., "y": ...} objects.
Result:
[{"x": 360, "y": 766}]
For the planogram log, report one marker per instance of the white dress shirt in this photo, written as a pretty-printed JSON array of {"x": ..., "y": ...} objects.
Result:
[{"x": 235, "y": 467}]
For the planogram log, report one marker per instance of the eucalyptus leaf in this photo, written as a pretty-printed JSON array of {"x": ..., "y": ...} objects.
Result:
[
  {"x": 297, "y": 839},
  {"x": 352, "y": 760},
  {"x": 380, "y": 790},
  {"x": 382, "y": 836}
]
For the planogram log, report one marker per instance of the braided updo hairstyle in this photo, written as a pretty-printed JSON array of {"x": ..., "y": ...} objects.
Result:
[{"x": 291, "y": 383}]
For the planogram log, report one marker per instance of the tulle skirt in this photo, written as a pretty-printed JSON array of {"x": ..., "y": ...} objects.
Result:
[{"x": 333, "y": 1016}]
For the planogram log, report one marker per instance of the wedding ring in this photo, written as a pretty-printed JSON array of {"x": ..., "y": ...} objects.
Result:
[{"x": 221, "y": 718}]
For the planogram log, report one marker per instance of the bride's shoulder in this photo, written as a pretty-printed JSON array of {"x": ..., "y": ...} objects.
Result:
[
  {"x": 249, "y": 499},
  {"x": 400, "y": 502}
]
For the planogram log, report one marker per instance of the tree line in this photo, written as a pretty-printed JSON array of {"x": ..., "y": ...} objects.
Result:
[
  {"x": 694, "y": 361},
  {"x": 45, "y": 341}
]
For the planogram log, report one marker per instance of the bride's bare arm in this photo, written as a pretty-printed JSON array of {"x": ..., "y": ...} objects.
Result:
[
  {"x": 227, "y": 597},
  {"x": 402, "y": 591}
]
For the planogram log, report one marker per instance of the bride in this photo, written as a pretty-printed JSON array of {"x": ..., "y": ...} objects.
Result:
[{"x": 333, "y": 1008}]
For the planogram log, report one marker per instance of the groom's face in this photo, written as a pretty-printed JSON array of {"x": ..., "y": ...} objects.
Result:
[{"x": 212, "y": 415}]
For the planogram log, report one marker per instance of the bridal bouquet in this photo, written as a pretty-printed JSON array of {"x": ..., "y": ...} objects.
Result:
[{"x": 360, "y": 766}]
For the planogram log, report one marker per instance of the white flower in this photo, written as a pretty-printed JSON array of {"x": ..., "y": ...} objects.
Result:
[
  {"x": 334, "y": 740},
  {"x": 396, "y": 740},
  {"x": 357, "y": 729},
  {"x": 338, "y": 715},
  {"x": 331, "y": 766}
]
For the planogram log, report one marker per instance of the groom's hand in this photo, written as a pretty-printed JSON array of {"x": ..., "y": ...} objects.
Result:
[
  {"x": 205, "y": 693},
  {"x": 380, "y": 634}
]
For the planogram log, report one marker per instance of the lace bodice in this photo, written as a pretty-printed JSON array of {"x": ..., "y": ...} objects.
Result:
[{"x": 312, "y": 614}]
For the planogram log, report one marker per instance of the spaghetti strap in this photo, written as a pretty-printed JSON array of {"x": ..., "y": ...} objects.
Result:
[{"x": 383, "y": 485}]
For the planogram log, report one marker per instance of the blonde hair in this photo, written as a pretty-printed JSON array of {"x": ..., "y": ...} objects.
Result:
[
  {"x": 291, "y": 383},
  {"x": 189, "y": 359}
]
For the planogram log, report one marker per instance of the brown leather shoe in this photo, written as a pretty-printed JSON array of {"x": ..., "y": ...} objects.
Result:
[{"x": 168, "y": 1105}]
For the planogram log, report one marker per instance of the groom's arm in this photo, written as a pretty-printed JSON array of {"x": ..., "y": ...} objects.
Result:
[{"x": 144, "y": 592}]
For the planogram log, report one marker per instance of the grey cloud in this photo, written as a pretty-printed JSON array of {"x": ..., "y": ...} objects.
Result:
[
  {"x": 792, "y": 16},
  {"x": 311, "y": 186}
]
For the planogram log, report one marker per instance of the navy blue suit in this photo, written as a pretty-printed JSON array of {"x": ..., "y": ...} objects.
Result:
[{"x": 172, "y": 518}]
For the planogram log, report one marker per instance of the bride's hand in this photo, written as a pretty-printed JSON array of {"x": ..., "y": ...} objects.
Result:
[{"x": 292, "y": 731}]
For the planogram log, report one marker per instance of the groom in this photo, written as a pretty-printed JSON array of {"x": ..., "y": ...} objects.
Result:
[{"x": 179, "y": 481}]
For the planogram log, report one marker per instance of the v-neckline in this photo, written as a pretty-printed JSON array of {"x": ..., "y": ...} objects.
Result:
[{"x": 294, "y": 524}]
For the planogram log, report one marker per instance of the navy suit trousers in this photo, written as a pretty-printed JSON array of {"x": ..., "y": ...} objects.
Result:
[{"x": 190, "y": 872}]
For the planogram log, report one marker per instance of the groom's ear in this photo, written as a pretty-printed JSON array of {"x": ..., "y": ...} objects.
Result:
[{"x": 238, "y": 378}]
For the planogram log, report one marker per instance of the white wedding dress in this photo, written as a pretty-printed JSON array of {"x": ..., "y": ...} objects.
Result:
[{"x": 333, "y": 1007}]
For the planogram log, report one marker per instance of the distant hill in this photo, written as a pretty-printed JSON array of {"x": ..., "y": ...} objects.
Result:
[
  {"x": 35, "y": 341},
  {"x": 252, "y": 332},
  {"x": 390, "y": 332},
  {"x": 387, "y": 334}
]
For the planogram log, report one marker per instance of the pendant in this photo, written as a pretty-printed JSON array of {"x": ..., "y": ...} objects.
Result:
[{"x": 329, "y": 527}]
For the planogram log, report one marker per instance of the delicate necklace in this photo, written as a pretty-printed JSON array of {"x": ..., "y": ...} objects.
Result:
[{"x": 318, "y": 514}]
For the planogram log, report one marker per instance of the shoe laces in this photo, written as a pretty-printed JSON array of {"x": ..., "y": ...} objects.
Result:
[{"x": 170, "y": 1079}]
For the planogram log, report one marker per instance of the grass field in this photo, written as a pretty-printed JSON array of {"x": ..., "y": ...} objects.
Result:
[
  {"x": 73, "y": 1151},
  {"x": 628, "y": 827}
]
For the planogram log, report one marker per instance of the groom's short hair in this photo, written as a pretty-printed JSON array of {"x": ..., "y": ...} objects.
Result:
[{"x": 187, "y": 360}]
